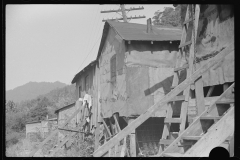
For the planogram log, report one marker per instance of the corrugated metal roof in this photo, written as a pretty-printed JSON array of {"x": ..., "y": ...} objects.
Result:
[
  {"x": 64, "y": 107},
  {"x": 133, "y": 31}
]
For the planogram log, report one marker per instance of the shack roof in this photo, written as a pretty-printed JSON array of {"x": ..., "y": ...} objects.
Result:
[
  {"x": 138, "y": 32},
  {"x": 56, "y": 111},
  {"x": 83, "y": 70}
]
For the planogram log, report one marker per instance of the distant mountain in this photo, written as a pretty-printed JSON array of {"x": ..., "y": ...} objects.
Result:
[{"x": 32, "y": 90}]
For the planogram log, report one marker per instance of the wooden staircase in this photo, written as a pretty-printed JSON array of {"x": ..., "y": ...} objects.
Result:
[
  {"x": 206, "y": 131},
  {"x": 186, "y": 46},
  {"x": 212, "y": 128}
]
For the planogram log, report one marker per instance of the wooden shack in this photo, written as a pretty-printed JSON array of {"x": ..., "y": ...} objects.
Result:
[
  {"x": 86, "y": 83},
  {"x": 132, "y": 71},
  {"x": 63, "y": 114}
]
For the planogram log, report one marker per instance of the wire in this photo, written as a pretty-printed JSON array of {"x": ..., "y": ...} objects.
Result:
[
  {"x": 88, "y": 53},
  {"x": 92, "y": 27},
  {"x": 92, "y": 33}
]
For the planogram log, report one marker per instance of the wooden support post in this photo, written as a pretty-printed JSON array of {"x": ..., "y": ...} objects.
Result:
[
  {"x": 97, "y": 137},
  {"x": 132, "y": 141},
  {"x": 231, "y": 146},
  {"x": 166, "y": 128},
  {"x": 109, "y": 134},
  {"x": 199, "y": 96}
]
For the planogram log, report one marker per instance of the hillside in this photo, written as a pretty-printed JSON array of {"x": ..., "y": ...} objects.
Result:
[
  {"x": 18, "y": 114},
  {"x": 31, "y": 90}
]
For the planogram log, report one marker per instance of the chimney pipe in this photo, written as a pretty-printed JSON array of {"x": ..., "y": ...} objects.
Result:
[{"x": 149, "y": 25}]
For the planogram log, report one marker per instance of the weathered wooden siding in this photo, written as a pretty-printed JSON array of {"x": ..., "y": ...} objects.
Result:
[{"x": 64, "y": 115}]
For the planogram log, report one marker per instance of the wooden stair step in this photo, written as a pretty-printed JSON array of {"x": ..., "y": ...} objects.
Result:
[
  {"x": 211, "y": 118},
  {"x": 178, "y": 98},
  {"x": 228, "y": 101},
  {"x": 181, "y": 68},
  {"x": 172, "y": 154},
  {"x": 166, "y": 141},
  {"x": 191, "y": 137},
  {"x": 172, "y": 120},
  {"x": 185, "y": 44},
  {"x": 186, "y": 144}
]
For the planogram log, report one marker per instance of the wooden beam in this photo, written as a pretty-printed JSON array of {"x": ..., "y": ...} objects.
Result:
[
  {"x": 215, "y": 136},
  {"x": 123, "y": 150},
  {"x": 116, "y": 122},
  {"x": 138, "y": 121},
  {"x": 69, "y": 129},
  {"x": 199, "y": 96},
  {"x": 208, "y": 101},
  {"x": 132, "y": 140},
  {"x": 97, "y": 132},
  {"x": 178, "y": 98}
]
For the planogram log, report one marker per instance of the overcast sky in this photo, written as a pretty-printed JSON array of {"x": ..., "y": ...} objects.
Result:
[{"x": 48, "y": 43}]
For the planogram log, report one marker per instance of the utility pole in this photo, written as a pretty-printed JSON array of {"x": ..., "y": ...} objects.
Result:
[
  {"x": 123, "y": 12},
  {"x": 124, "y": 16}
]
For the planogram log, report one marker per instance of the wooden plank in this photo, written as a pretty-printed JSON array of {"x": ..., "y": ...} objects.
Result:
[
  {"x": 178, "y": 98},
  {"x": 192, "y": 128},
  {"x": 231, "y": 146},
  {"x": 116, "y": 121},
  {"x": 97, "y": 132},
  {"x": 172, "y": 155},
  {"x": 166, "y": 128},
  {"x": 106, "y": 127},
  {"x": 199, "y": 96},
  {"x": 210, "y": 91},
  {"x": 211, "y": 118},
  {"x": 228, "y": 101},
  {"x": 133, "y": 152},
  {"x": 123, "y": 150},
  {"x": 52, "y": 134},
  {"x": 138, "y": 121},
  {"x": 69, "y": 129},
  {"x": 172, "y": 120},
  {"x": 192, "y": 137},
  {"x": 207, "y": 101},
  {"x": 215, "y": 136}
]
